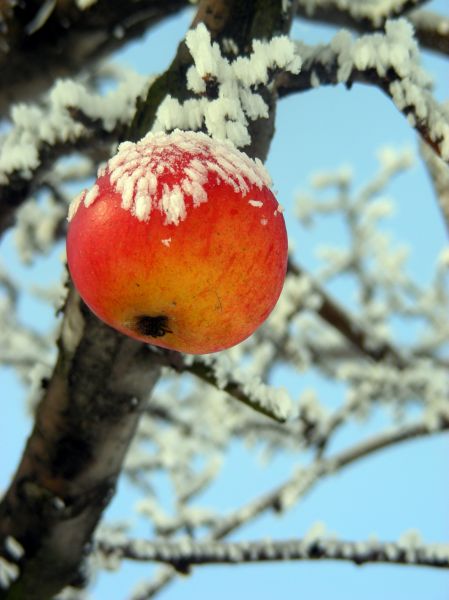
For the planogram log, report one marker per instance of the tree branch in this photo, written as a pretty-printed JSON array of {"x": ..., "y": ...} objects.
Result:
[
  {"x": 37, "y": 46},
  {"x": 72, "y": 119},
  {"x": 430, "y": 28},
  {"x": 330, "y": 311},
  {"x": 84, "y": 424},
  {"x": 288, "y": 493},
  {"x": 335, "y": 63},
  {"x": 183, "y": 554},
  {"x": 439, "y": 175}
]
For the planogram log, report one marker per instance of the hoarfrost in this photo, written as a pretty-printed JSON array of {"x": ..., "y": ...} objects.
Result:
[
  {"x": 34, "y": 126},
  {"x": 8, "y": 573},
  {"x": 142, "y": 173},
  {"x": 316, "y": 532},
  {"x": 8, "y": 570},
  {"x": 83, "y": 4},
  {"x": 238, "y": 100},
  {"x": 117, "y": 106},
  {"x": 37, "y": 224}
]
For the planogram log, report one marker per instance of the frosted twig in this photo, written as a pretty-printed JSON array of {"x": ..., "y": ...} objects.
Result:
[
  {"x": 185, "y": 553},
  {"x": 272, "y": 403},
  {"x": 289, "y": 493},
  {"x": 439, "y": 174},
  {"x": 388, "y": 62},
  {"x": 73, "y": 119},
  {"x": 431, "y": 28},
  {"x": 335, "y": 315},
  {"x": 301, "y": 483}
]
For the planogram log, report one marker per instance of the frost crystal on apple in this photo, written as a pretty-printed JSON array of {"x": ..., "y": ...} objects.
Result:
[{"x": 138, "y": 172}]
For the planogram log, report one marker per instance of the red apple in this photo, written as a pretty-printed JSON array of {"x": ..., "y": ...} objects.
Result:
[{"x": 180, "y": 243}]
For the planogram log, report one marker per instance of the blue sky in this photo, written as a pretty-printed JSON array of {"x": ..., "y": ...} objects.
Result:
[{"x": 396, "y": 490}]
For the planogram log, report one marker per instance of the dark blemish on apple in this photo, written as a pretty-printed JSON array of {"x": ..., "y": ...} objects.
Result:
[{"x": 152, "y": 326}]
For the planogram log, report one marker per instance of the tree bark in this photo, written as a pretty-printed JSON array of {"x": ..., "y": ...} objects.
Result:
[
  {"x": 43, "y": 41},
  {"x": 84, "y": 425}
]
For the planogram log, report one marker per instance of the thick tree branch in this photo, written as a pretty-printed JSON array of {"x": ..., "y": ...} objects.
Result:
[
  {"x": 38, "y": 46},
  {"x": 84, "y": 424}
]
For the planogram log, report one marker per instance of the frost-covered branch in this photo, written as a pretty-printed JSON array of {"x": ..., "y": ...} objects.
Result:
[
  {"x": 41, "y": 42},
  {"x": 227, "y": 94},
  {"x": 331, "y": 311},
  {"x": 377, "y": 266},
  {"x": 289, "y": 493},
  {"x": 430, "y": 28},
  {"x": 186, "y": 553},
  {"x": 72, "y": 119},
  {"x": 388, "y": 61},
  {"x": 439, "y": 175},
  {"x": 220, "y": 80},
  {"x": 216, "y": 370}
]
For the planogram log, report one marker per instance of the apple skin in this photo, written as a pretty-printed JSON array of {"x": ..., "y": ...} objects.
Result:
[{"x": 198, "y": 286}]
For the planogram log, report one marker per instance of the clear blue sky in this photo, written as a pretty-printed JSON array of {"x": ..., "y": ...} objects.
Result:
[{"x": 386, "y": 494}]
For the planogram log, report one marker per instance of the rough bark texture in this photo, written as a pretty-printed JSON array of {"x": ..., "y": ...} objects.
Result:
[
  {"x": 84, "y": 424},
  {"x": 241, "y": 21}
]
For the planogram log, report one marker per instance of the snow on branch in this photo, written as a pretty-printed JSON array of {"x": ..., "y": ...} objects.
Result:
[
  {"x": 387, "y": 60},
  {"x": 219, "y": 371},
  {"x": 71, "y": 119},
  {"x": 439, "y": 174},
  {"x": 35, "y": 127},
  {"x": 184, "y": 553},
  {"x": 236, "y": 100},
  {"x": 280, "y": 498},
  {"x": 431, "y": 28},
  {"x": 375, "y": 12}
]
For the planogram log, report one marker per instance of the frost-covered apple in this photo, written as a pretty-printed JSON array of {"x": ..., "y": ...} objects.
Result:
[{"x": 180, "y": 243}]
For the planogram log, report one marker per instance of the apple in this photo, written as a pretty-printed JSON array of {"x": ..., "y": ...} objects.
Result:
[{"x": 180, "y": 243}]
